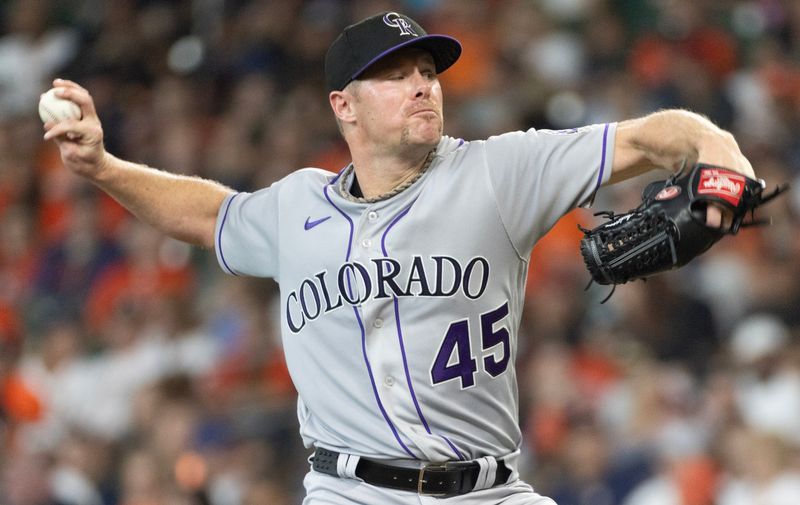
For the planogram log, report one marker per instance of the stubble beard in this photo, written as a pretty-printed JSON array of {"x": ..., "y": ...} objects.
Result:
[{"x": 405, "y": 137}]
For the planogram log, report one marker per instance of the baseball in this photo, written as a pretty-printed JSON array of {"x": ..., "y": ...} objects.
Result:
[{"x": 53, "y": 108}]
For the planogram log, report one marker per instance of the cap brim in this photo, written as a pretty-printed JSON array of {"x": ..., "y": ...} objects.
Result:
[{"x": 445, "y": 51}]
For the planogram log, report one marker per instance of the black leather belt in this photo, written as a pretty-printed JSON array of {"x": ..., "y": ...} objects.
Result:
[{"x": 445, "y": 479}]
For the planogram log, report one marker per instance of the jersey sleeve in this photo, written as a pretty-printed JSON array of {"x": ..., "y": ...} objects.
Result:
[
  {"x": 246, "y": 240},
  {"x": 540, "y": 175}
]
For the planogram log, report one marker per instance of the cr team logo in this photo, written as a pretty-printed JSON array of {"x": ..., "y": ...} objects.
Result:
[{"x": 395, "y": 20}]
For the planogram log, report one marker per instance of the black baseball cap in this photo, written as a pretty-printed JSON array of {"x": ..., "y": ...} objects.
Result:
[{"x": 363, "y": 43}]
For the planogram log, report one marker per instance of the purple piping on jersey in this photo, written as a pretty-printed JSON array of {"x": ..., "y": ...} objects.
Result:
[
  {"x": 350, "y": 221},
  {"x": 364, "y": 336},
  {"x": 331, "y": 183},
  {"x": 338, "y": 174},
  {"x": 402, "y": 344},
  {"x": 603, "y": 160},
  {"x": 374, "y": 387},
  {"x": 219, "y": 235}
]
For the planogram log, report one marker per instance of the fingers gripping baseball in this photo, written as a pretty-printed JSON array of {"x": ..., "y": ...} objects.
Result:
[{"x": 80, "y": 140}]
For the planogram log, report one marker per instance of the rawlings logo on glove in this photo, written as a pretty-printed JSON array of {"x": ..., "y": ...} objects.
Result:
[
  {"x": 669, "y": 228},
  {"x": 722, "y": 183}
]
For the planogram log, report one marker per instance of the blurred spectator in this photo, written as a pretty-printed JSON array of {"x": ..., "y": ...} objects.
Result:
[
  {"x": 79, "y": 470},
  {"x": 32, "y": 49},
  {"x": 591, "y": 473},
  {"x": 763, "y": 476},
  {"x": 25, "y": 481},
  {"x": 768, "y": 385},
  {"x": 683, "y": 481},
  {"x": 675, "y": 326},
  {"x": 70, "y": 265}
]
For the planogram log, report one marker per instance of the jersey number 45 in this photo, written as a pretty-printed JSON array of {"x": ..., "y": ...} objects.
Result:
[{"x": 455, "y": 359}]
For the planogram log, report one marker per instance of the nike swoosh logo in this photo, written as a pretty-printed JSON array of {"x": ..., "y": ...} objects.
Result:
[{"x": 310, "y": 224}]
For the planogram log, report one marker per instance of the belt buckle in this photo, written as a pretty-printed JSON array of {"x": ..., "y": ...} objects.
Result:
[{"x": 434, "y": 467}]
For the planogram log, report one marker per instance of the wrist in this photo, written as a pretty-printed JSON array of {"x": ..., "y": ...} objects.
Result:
[
  {"x": 720, "y": 148},
  {"x": 105, "y": 168}
]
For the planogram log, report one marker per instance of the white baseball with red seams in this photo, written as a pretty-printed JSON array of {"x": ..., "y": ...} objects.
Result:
[{"x": 53, "y": 108}]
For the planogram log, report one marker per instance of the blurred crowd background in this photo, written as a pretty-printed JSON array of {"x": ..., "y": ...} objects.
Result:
[{"x": 133, "y": 372}]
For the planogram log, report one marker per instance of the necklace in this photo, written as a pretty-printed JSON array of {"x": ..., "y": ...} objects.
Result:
[{"x": 342, "y": 187}]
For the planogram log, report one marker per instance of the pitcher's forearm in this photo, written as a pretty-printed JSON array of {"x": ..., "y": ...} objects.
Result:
[
  {"x": 183, "y": 207},
  {"x": 669, "y": 138}
]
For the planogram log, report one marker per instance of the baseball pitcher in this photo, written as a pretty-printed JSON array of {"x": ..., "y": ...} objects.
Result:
[{"x": 402, "y": 276}]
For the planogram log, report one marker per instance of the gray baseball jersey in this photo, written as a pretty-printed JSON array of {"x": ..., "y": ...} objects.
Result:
[{"x": 399, "y": 318}]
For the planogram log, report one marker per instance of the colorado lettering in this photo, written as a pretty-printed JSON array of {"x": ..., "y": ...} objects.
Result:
[{"x": 383, "y": 278}]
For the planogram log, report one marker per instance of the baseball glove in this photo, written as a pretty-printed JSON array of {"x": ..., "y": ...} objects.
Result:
[{"x": 669, "y": 228}]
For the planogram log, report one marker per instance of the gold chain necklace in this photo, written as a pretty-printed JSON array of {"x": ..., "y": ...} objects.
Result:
[{"x": 397, "y": 189}]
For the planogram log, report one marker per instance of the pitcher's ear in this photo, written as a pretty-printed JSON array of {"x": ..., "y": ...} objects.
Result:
[{"x": 342, "y": 105}]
